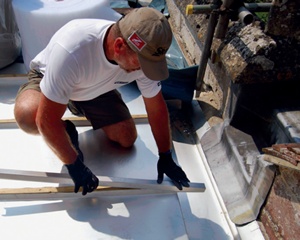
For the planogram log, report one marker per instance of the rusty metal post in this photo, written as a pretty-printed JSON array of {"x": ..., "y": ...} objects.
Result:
[{"x": 213, "y": 20}]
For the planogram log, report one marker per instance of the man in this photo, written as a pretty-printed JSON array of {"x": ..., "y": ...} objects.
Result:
[{"x": 83, "y": 64}]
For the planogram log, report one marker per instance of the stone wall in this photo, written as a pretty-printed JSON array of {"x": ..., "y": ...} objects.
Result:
[{"x": 249, "y": 54}]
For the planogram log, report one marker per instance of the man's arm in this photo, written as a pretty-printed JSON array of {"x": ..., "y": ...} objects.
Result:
[
  {"x": 52, "y": 128},
  {"x": 158, "y": 117},
  {"x": 159, "y": 121}
]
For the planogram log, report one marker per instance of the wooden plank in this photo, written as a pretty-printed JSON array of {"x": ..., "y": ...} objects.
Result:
[
  {"x": 13, "y": 75},
  {"x": 43, "y": 190},
  {"x": 279, "y": 161},
  {"x": 64, "y": 178},
  {"x": 78, "y": 121},
  {"x": 65, "y": 192},
  {"x": 275, "y": 153}
]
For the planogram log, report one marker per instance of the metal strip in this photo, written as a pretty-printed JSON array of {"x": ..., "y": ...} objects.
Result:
[{"x": 64, "y": 178}]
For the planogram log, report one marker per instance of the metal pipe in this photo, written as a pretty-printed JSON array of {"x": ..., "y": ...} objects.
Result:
[
  {"x": 227, "y": 4},
  {"x": 258, "y": 7},
  {"x": 224, "y": 19},
  {"x": 245, "y": 16},
  {"x": 207, "y": 8},
  {"x": 200, "y": 9},
  {"x": 222, "y": 26},
  {"x": 213, "y": 19}
]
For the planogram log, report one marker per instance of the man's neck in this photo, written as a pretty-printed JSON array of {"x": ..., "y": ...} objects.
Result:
[{"x": 108, "y": 45}]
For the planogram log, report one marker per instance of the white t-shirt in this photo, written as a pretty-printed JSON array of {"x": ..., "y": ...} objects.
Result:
[{"x": 75, "y": 66}]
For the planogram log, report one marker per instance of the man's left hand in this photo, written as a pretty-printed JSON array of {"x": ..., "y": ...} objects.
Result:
[{"x": 167, "y": 165}]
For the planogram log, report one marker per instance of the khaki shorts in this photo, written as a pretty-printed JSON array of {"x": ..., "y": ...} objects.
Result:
[{"x": 101, "y": 111}]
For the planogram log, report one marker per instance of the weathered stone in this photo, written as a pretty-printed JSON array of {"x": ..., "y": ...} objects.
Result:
[
  {"x": 244, "y": 54},
  {"x": 280, "y": 216},
  {"x": 249, "y": 54},
  {"x": 284, "y": 19}
]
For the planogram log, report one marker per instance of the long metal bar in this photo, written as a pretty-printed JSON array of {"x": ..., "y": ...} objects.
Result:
[
  {"x": 222, "y": 25},
  {"x": 258, "y": 7},
  {"x": 208, "y": 8},
  {"x": 64, "y": 178}
]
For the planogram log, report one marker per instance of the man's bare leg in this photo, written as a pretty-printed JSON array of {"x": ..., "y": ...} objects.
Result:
[
  {"x": 122, "y": 132},
  {"x": 25, "y": 110}
]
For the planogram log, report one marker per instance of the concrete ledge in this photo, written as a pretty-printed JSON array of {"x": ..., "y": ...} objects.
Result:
[
  {"x": 184, "y": 34},
  {"x": 288, "y": 126}
]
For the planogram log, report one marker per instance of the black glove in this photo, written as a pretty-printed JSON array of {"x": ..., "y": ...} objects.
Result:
[
  {"x": 73, "y": 134},
  {"x": 167, "y": 165},
  {"x": 82, "y": 176}
]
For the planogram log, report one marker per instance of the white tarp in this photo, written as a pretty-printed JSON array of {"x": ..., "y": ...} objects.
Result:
[
  {"x": 10, "y": 41},
  {"x": 38, "y": 20}
]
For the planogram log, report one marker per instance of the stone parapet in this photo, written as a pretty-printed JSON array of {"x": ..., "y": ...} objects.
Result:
[{"x": 255, "y": 53}]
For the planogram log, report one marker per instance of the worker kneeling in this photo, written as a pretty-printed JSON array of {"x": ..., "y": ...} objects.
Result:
[{"x": 80, "y": 69}]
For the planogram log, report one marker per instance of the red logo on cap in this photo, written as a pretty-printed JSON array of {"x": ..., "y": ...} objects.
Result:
[{"x": 137, "y": 41}]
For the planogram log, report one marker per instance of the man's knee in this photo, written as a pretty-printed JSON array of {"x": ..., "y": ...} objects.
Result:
[
  {"x": 25, "y": 112},
  {"x": 123, "y": 133},
  {"x": 125, "y": 137},
  {"x": 127, "y": 140},
  {"x": 25, "y": 120}
]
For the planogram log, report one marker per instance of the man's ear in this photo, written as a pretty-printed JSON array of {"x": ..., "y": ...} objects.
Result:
[{"x": 119, "y": 45}]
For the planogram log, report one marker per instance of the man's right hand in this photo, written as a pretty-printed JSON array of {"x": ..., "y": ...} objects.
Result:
[{"x": 82, "y": 176}]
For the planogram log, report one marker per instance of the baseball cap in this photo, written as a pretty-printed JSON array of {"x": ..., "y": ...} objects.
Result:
[{"x": 148, "y": 33}]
